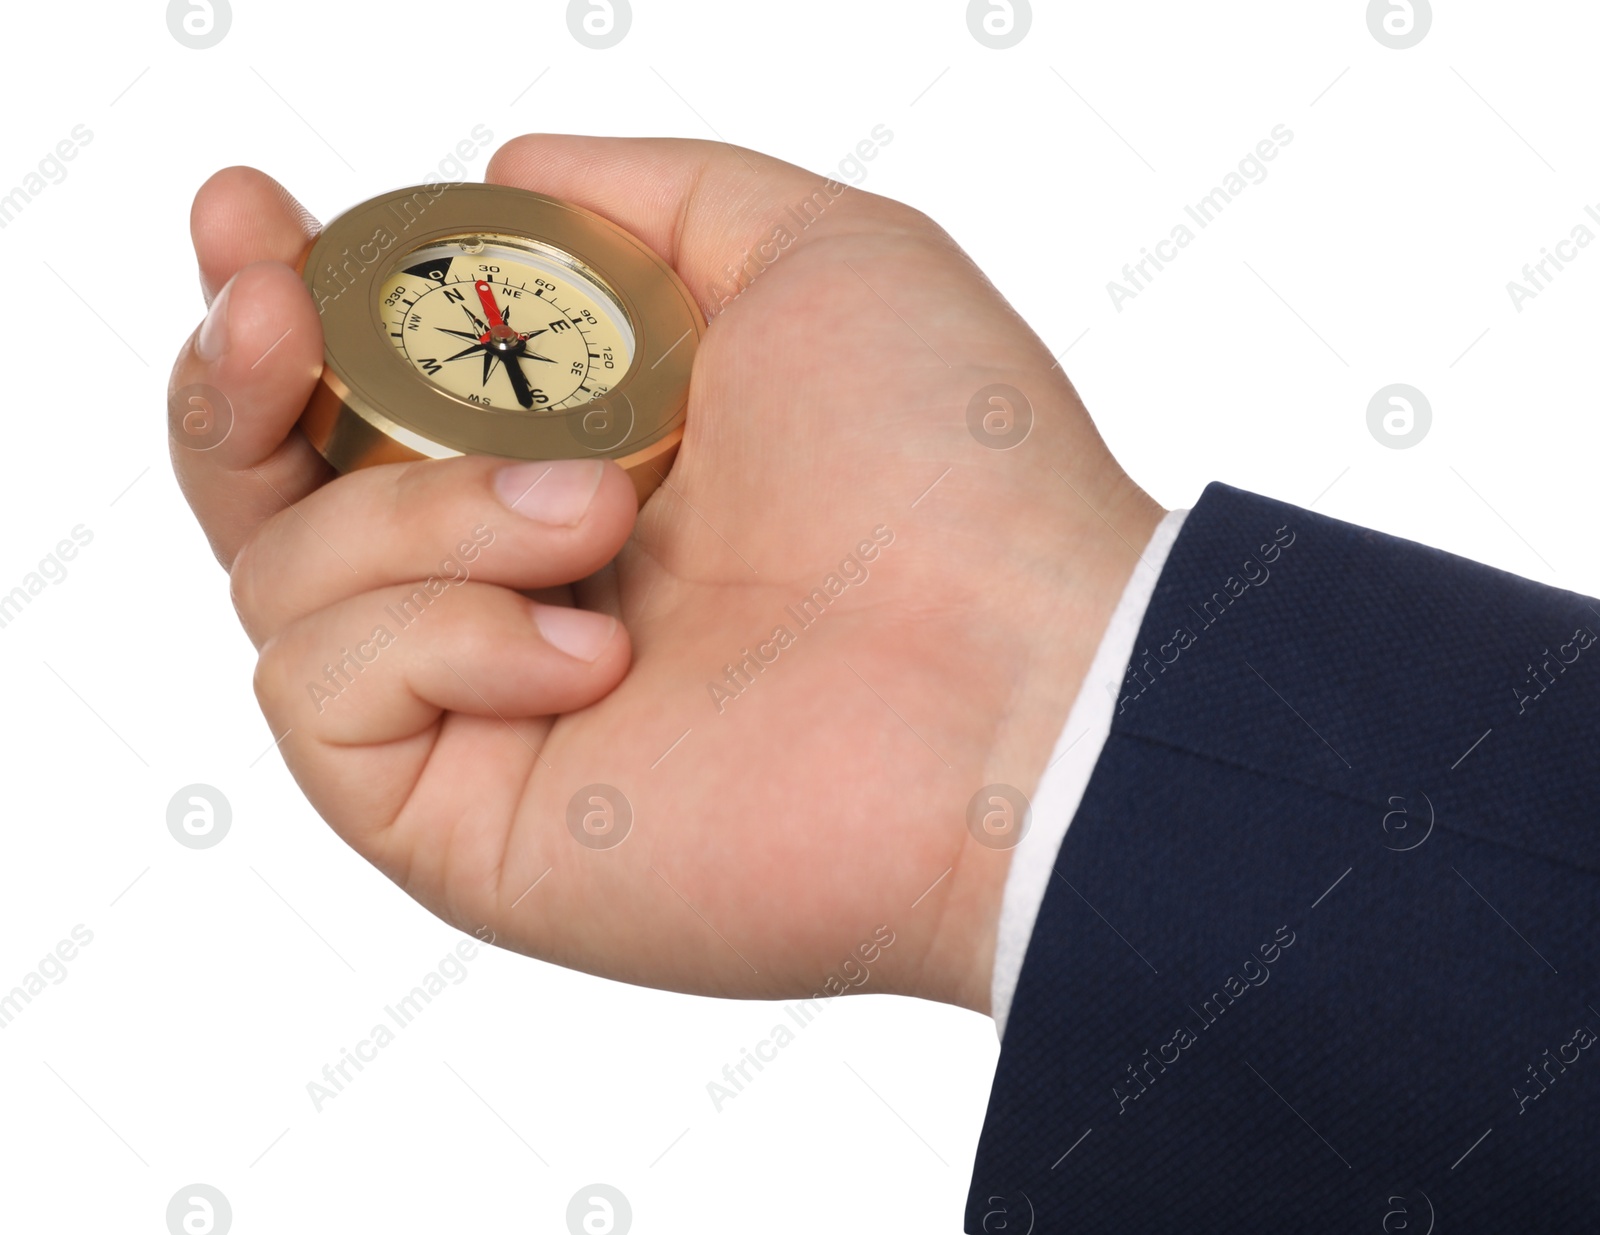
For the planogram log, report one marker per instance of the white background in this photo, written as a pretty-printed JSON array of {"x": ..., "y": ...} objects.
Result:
[{"x": 179, "y": 1046}]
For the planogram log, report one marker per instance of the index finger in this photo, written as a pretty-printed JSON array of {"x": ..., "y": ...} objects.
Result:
[{"x": 703, "y": 206}]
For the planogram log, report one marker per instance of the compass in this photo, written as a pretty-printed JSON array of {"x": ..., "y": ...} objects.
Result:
[{"x": 481, "y": 319}]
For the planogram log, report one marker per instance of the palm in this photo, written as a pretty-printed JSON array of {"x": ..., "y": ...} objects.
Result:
[{"x": 796, "y": 811}]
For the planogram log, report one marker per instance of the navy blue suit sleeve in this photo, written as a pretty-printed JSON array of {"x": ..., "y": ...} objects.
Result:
[{"x": 1319, "y": 952}]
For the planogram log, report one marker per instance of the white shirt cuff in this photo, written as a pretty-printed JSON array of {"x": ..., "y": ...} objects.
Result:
[{"x": 1077, "y": 750}]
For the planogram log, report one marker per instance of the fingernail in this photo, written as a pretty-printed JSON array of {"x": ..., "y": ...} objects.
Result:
[
  {"x": 212, "y": 340},
  {"x": 556, "y": 492},
  {"x": 577, "y": 632}
]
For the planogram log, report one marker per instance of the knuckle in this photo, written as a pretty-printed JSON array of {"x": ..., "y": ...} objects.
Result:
[
  {"x": 242, "y": 589},
  {"x": 271, "y": 672},
  {"x": 911, "y": 219}
]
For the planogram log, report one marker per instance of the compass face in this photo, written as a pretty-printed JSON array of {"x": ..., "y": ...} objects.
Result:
[{"x": 500, "y": 322}]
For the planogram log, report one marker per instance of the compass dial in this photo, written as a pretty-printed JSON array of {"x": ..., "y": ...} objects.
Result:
[{"x": 502, "y": 324}]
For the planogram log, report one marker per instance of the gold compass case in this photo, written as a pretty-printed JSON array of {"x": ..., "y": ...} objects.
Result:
[{"x": 389, "y": 277}]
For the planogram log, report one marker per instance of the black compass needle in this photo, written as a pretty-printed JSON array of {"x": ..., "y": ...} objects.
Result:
[{"x": 519, "y": 380}]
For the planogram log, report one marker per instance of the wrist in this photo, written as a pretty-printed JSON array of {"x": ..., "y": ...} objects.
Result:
[{"x": 1049, "y": 592}]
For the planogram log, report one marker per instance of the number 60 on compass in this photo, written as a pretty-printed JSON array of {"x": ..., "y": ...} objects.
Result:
[{"x": 481, "y": 319}]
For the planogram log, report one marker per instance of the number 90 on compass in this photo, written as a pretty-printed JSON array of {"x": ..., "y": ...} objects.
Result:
[{"x": 481, "y": 319}]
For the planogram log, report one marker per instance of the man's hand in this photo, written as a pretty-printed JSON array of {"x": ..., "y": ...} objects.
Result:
[{"x": 782, "y": 812}]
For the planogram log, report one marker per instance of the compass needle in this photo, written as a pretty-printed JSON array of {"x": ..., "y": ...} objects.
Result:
[{"x": 519, "y": 380}]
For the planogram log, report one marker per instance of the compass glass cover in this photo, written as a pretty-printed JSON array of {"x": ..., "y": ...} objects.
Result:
[{"x": 504, "y": 322}]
